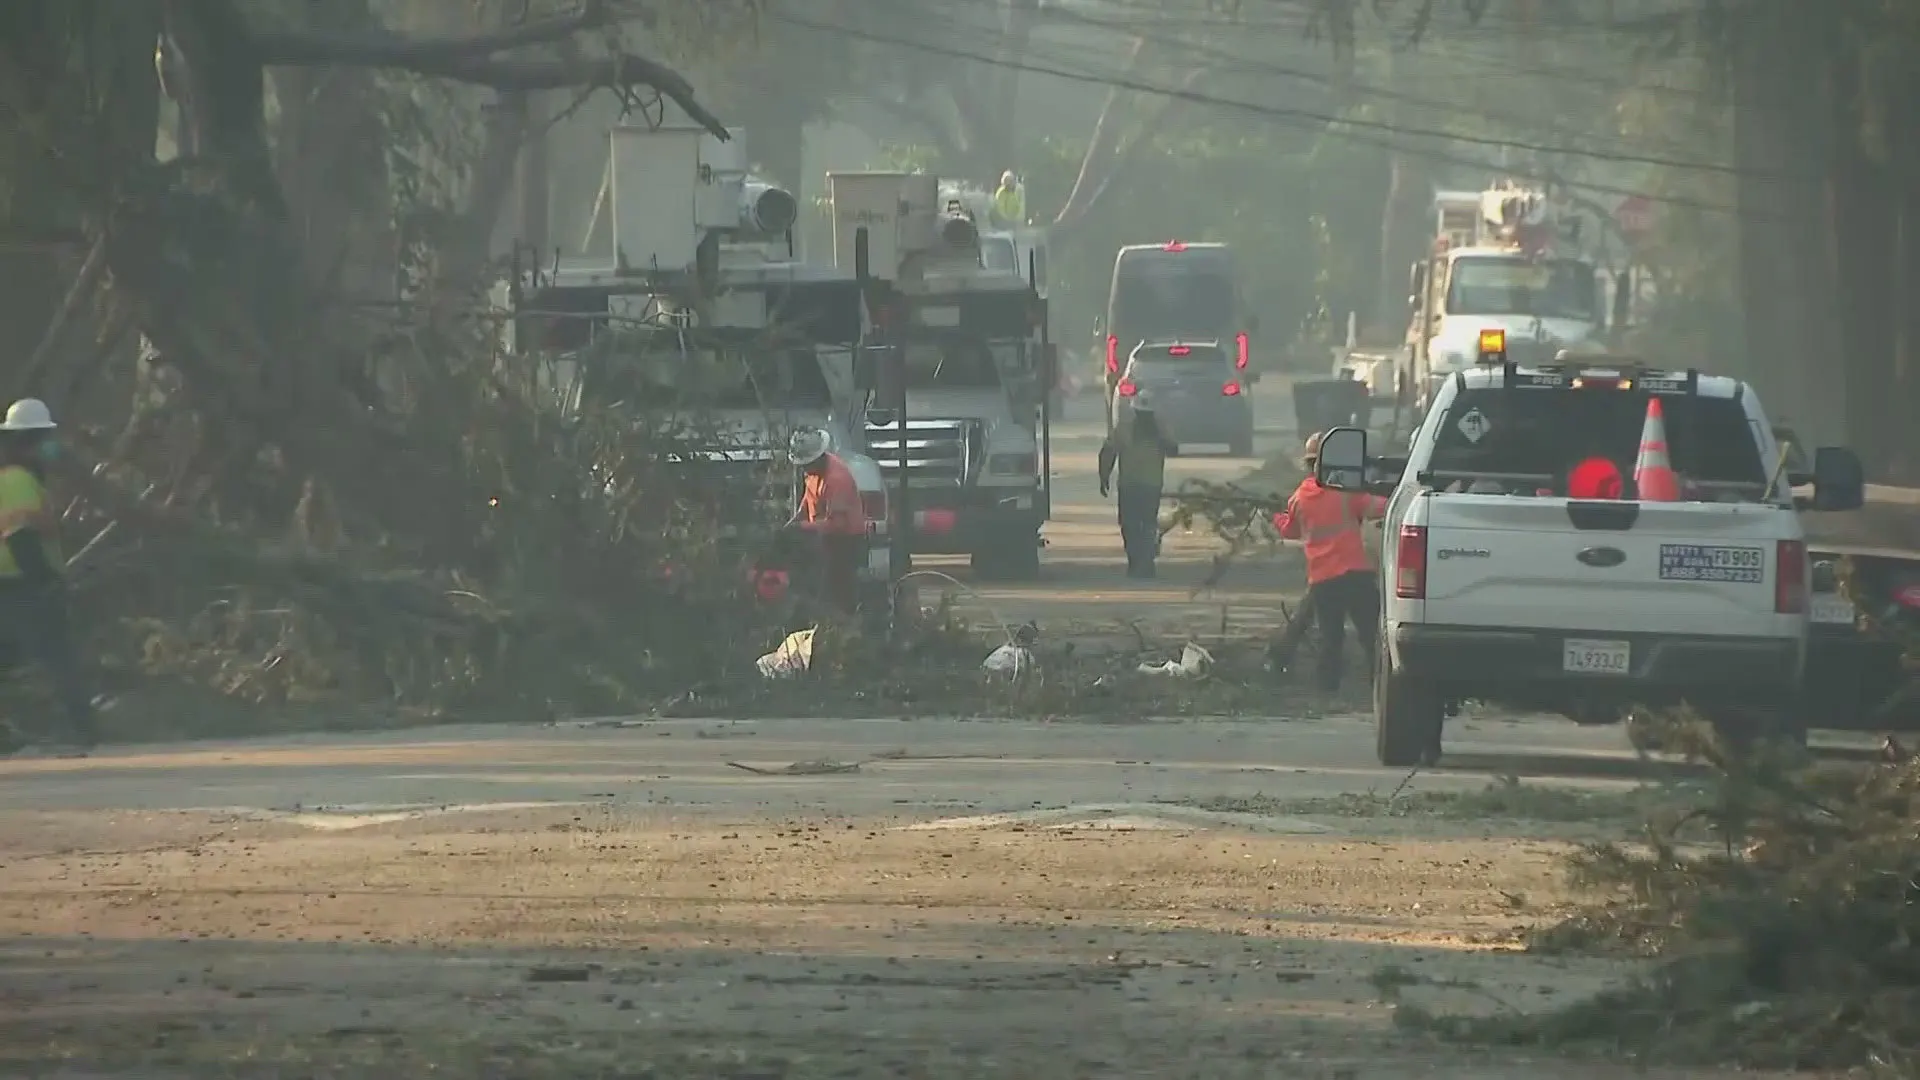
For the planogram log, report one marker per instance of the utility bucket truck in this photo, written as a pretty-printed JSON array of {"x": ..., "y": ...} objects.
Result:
[
  {"x": 1511, "y": 259},
  {"x": 704, "y": 323},
  {"x": 963, "y": 427}
]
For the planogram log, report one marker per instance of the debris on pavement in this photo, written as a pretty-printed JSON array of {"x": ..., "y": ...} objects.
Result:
[
  {"x": 793, "y": 657},
  {"x": 559, "y": 973},
  {"x": 800, "y": 768},
  {"x": 1195, "y": 662}
]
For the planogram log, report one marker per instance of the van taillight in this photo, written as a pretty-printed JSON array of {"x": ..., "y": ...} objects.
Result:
[
  {"x": 1790, "y": 578},
  {"x": 1240, "y": 357},
  {"x": 1410, "y": 564},
  {"x": 1113, "y": 355}
]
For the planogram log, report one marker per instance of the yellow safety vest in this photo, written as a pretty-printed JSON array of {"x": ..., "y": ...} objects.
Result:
[
  {"x": 1141, "y": 461},
  {"x": 23, "y": 505},
  {"x": 1009, "y": 205}
]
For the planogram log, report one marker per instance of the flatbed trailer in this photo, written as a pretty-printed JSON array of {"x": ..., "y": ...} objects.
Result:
[{"x": 1856, "y": 673}]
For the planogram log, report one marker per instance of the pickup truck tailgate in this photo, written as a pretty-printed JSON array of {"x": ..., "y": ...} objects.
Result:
[{"x": 1548, "y": 563}]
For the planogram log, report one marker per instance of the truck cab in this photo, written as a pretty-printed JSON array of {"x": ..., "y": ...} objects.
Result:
[
  {"x": 705, "y": 324},
  {"x": 962, "y": 424},
  {"x": 1505, "y": 258}
]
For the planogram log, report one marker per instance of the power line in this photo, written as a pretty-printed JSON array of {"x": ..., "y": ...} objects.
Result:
[
  {"x": 1196, "y": 97},
  {"x": 1303, "y": 116},
  {"x": 1342, "y": 86}
]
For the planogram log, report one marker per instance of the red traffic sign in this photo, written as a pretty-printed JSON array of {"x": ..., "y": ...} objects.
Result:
[{"x": 1634, "y": 215}]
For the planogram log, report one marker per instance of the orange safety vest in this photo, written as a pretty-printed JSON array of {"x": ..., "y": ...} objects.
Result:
[
  {"x": 830, "y": 501},
  {"x": 1328, "y": 524}
]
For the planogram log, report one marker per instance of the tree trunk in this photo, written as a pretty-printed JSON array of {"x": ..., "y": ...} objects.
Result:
[
  {"x": 1782, "y": 122},
  {"x": 111, "y": 107}
]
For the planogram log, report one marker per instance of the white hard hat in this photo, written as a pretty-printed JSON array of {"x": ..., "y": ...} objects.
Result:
[
  {"x": 28, "y": 414},
  {"x": 1008, "y": 177},
  {"x": 809, "y": 445}
]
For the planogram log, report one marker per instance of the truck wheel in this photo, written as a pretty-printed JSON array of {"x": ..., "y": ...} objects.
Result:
[
  {"x": 1008, "y": 558},
  {"x": 1408, "y": 714},
  {"x": 1023, "y": 557}
]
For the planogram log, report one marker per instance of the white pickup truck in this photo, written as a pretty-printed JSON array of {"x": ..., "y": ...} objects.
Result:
[{"x": 1497, "y": 586}]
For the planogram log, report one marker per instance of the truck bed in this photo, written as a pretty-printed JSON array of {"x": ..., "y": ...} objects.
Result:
[{"x": 1888, "y": 525}]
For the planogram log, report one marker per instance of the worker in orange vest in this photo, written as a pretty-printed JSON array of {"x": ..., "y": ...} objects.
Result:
[
  {"x": 830, "y": 509},
  {"x": 1342, "y": 583}
]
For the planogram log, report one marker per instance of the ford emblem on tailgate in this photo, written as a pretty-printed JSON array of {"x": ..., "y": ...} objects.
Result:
[{"x": 1602, "y": 556}]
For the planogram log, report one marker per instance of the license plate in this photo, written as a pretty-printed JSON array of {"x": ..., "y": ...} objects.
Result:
[
  {"x": 1596, "y": 657},
  {"x": 1832, "y": 609}
]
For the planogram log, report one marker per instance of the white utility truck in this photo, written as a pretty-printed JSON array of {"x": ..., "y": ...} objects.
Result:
[
  {"x": 703, "y": 319},
  {"x": 964, "y": 352},
  {"x": 1508, "y": 258},
  {"x": 1504, "y": 582}
]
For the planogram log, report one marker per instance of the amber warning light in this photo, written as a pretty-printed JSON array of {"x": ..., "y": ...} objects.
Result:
[{"x": 1493, "y": 345}]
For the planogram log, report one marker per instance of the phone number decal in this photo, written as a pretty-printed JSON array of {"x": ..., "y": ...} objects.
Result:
[{"x": 1699, "y": 562}]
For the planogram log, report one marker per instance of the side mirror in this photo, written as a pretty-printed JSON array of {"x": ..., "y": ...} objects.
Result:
[
  {"x": 1839, "y": 480},
  {"x": 882, "y": 417},
  {"x": 1343, "y": 460}
]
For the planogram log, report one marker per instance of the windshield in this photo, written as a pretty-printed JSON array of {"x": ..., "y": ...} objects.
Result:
[
  {"x": 1171, "y": 296},
  {"x": 957, "y": 364},
  {"x": 997, "y": 253},
  {"x": 1538, "y": 435},
  {"x": 1498, "y": 285},
  {"x": 707, "y": 378}
]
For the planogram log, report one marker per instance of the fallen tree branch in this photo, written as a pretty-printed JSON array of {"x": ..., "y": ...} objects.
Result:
[
  {"x": 314, "y": 49},
  {"x": 445, "y": 60}
]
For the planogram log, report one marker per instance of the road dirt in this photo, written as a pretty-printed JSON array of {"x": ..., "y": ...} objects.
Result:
[{"x": 599, "y": 941}]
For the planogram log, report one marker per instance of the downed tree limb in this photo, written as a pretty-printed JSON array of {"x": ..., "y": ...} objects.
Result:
[{"x": 472, "y": 60}]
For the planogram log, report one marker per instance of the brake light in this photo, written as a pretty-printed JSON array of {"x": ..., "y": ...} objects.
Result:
[
  {"x": 1232, "y": 389},
  {"x": 1790, "y": 578},
  {"x": 874, "y": 505},
  {"x": 1907, "y": 596},
  {"x": 1128, "y": 388},
  {"x": 1175, "y": 245},
  {"x": 1178, "y": 350},
  {"x": 1410, "y": 564},
  {"x": 1113, "y": 354},
  {"x": 1240, "y": 357}
]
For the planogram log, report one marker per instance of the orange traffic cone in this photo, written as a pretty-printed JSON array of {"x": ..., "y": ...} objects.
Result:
[{"x": 1653, "y": 471}]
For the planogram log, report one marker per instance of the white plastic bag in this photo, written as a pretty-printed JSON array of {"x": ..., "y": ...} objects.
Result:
[
  {"x": 793, "y": 657},
  {"x": 1009, "y": 660},
  {"x": 1194, "y": 662}
]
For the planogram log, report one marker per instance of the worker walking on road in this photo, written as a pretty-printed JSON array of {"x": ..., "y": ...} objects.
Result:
[
  {"x": 1140, "y": 448},
  {"x": 1009, "y": 202},
  {"x": 1342, "y": 584},
  {"x": 33, "y": 602},
  {"x": 830, "y": 510}
]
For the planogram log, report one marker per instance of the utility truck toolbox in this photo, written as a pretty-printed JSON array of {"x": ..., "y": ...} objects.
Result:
[{"x": 1585, "y": 536}]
